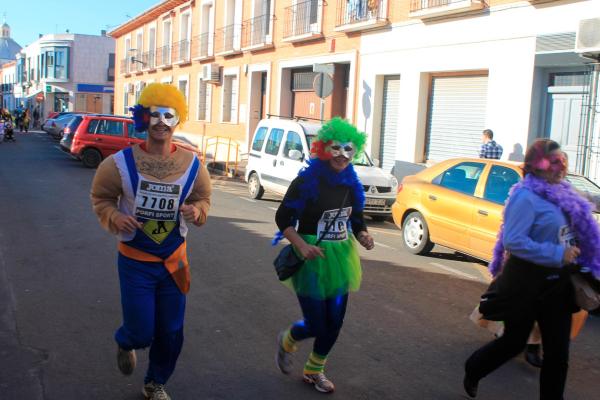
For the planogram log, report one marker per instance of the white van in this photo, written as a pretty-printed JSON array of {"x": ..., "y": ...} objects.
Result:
[{"x": 279, "y": 150}]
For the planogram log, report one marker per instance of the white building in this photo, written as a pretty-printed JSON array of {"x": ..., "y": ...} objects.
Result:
[
  {"x": 67, "y": 72},
  {"x": 430, "y": 85}
]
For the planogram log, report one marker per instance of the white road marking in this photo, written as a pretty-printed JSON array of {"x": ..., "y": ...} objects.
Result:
[
  {"x": 247, "y": 199},
  {"x": 385, "y": 246},
  {"x": 453, "y": 271},
  {"x": 272, "y": 208}
]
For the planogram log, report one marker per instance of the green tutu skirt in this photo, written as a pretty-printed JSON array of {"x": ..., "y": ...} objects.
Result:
[{"x": 336, "y": 274}]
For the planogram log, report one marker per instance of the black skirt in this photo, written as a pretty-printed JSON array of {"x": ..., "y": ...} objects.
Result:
[{"x": 522, "y": 288}]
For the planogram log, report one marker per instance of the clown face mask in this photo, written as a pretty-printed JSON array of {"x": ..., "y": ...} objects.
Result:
[
  {"x": 336, "y": 149},
  {"x": 166, "y": 115}
]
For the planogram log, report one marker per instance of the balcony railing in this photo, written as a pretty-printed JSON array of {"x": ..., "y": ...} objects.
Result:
[
  {"x": 125, "y": 66},
  {"x": 202, "y": 45},
  {"x": 302, "y": 19},
  {"x": 181, "y": 51},
  {"x": 255, "y": 31},
  {"x": 360, "y": 13},
  {"x": 163, "y": 56},
  {"x": 136, "y": 62},
  {"x": 227, "y": 39},
  {"x": 149, "y": 59},
  {"x": 436, "y": 8}
]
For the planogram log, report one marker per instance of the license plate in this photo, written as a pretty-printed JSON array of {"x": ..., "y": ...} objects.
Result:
[{"x": 374, "y": 202}]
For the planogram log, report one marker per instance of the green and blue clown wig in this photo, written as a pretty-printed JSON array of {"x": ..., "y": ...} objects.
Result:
[{"x": 159, "y": 95}]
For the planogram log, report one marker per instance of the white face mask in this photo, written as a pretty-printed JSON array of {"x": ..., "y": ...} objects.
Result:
[
  {"x": 342, "y": 149},
  {"x": 167, "y": 115}
]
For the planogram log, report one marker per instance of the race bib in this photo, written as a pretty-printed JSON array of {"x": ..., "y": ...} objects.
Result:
[
  {"x": 157, "y": 201},
  {"x": 566, "y": 236},
  {"x": 339, "y": 227}
]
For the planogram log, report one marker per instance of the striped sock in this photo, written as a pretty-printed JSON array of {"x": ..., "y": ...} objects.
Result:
[
  {"x": 288, "y": 342},
  {"x": 315, "y": 364}
]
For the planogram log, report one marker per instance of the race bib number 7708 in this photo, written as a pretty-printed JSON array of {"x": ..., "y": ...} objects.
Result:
[{"x": 157, "y": 201}]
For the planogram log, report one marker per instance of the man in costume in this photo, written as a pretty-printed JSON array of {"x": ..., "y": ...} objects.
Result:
[
  {"x": 325, "y": 202},
  {"x": 148, "y": 195}
]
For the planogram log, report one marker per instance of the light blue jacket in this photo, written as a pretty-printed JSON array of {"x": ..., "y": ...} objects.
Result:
[{"x": 532, "y": 229}]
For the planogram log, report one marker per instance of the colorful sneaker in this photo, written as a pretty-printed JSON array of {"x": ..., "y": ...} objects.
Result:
[
  {"x": 155, "y": 391},
  {"x": 126, "y": 361},
  {"x": 283, "y": 358},
  {"x": 322, "y": 384}
]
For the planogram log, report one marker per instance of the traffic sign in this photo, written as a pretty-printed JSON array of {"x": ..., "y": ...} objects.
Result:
[
  {"x": 323, "y": 85},
  {"x": 324, "y": 68}
]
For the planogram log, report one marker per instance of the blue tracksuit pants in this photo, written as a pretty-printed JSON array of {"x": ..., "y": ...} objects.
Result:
[{"x": 153, "y": 311}]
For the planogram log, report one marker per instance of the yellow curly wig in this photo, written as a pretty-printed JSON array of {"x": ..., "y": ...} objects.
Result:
[{"x": 164, "y": 95}]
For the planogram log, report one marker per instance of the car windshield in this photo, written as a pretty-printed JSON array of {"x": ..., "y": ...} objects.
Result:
[{"x": 362, "y": 160}]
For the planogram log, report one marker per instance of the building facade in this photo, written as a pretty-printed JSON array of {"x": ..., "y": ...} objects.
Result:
[
  {"x": 422, "y": 78},
  {"x": 66, "y": 72},
  {"x": 445, "y": 71},
  {"x": 8, "y": 77},
  {"x": 8, "y": 50},
  {"x": 239, "y": 61}
]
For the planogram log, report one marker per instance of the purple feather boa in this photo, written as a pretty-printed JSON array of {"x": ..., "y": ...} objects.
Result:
[{"x": 578, "y": 211}]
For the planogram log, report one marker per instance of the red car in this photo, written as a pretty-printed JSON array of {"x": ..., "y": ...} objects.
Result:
[{"x": 98, "y": 136}]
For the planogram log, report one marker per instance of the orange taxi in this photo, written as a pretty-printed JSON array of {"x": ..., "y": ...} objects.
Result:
[{"x": 458, "y": 203}]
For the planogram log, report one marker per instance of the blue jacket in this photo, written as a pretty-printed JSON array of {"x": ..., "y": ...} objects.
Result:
[{"x": 534, "y": 229}]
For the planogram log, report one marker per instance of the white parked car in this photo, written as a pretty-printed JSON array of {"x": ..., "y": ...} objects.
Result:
[{"x": 280, "y": 148}]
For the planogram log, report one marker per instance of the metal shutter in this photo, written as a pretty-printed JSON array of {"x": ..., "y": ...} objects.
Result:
[
  {"x": 456, "y": 119},
  {"x": 389, "y": 121}
]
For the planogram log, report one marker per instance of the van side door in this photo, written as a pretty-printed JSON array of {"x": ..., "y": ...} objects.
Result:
[
  {"x": 288, "y": 166},
  {"x": 269, "y": 176}
]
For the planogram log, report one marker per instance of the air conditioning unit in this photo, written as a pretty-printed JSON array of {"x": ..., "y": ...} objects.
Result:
[
  {"x": 587, "y": 41},
  {"x": 211, "y": 73}
]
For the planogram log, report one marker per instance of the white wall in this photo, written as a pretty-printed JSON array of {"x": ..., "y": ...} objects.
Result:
[
  {"x": 501, "y": 43},
  {"x": 90, "y": 59}
]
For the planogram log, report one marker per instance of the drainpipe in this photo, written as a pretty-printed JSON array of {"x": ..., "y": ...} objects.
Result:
[{"x": 591, "y": 114}]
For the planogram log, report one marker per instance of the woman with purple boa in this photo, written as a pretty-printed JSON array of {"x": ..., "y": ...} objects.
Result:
[{"x": 548, "y": 227}]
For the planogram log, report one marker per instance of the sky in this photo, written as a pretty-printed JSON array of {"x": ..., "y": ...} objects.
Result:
[{"x": 29, "y": 18}]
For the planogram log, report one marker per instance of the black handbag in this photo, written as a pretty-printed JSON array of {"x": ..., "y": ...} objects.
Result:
[{"x": 287, "y": 262}]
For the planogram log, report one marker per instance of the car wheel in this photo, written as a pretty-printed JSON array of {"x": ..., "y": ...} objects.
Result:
[
  {"x": 415, "y": 234},
  {"x": 91, "y": 158},
  {"x": 378, "y": 218},
  {"x": 255, "y": 189}
]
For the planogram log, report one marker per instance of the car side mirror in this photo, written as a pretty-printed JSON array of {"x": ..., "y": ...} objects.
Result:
[
  {"x": 295, "y": 155},
  {"x": 376, "y": 162}
]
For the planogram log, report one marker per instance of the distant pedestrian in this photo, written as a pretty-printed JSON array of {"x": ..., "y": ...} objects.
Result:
[
  {"x": 149, "y": 195},
  {"x": 327, "y": 200},
  {"x": 36, "y": 117},
  {"x": 548, "y": 228},
  {"x": 489, "y": 148}
]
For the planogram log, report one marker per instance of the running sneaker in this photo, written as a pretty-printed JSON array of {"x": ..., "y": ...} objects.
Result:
[
  {"x": 320, "y": 381},
  {"x": 155, "y": 391},
  {"x": 283, "y": 358},
  {"x": 126, "y": 360}
]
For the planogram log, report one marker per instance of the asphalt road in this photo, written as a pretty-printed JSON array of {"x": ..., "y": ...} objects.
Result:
[{"x": 406, "y": 333}]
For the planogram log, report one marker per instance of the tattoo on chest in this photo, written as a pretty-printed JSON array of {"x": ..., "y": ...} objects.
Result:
[{"x": 158, "y": 168}]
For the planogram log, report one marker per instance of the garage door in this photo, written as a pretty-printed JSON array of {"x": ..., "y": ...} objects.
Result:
[
  {"x": 456, "y": 118},
  {"x": 389, "y": 121}
]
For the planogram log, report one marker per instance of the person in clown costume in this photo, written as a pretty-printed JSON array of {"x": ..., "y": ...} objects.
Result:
[
  {"x": 331, "y": 270},
  {"x": 148, "y": 195}
]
